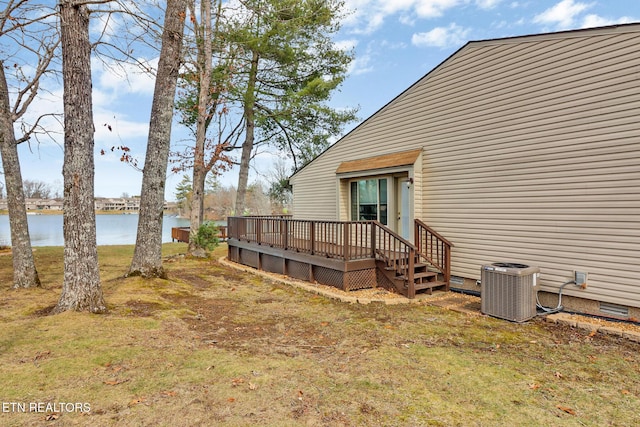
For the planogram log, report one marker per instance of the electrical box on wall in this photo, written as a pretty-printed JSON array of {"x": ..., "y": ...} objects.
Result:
[{"x": 580, "y": 277}]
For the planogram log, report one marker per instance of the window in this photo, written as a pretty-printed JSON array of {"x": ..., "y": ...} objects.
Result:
[{"x": 369, "y": 200}]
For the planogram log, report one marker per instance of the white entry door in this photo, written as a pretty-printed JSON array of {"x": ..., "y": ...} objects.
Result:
[{"x": 403, "y": 206}]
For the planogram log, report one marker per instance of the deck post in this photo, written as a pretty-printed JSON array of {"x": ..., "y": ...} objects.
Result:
[
  {"x": 258, "y": 231},
  {"x": 373, "y": 240},
  {"x": 411, "y": 290},
  {"x": 285, "y": 232},
  {"x": 447, "y": 264},
  {"x": 346, "y": 248},
  {"x": 312, "y": 236}
]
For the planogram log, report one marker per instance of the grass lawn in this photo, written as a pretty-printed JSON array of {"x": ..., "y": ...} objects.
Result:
[{"x": 214, "y": 346}]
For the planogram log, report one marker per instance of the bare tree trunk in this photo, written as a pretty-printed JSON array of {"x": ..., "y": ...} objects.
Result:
[
  {"x": 247, "y": 146},
  {"x": 147, "y": 257},
  {"x": 24, "y": 268},
  {"x": 81, "y": 288},
  {"x": 203, "y": 38}
]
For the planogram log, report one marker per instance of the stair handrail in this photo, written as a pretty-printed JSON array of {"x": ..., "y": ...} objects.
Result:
[
  {"x": 427, "y": 249},
  {"x": 396, "y": 252}
]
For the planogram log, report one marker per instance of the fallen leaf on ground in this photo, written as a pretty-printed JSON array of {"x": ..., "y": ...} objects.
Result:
[
  {"x": 137, "y": 401},
  {"x": 52, "y": 417},
  {"x": 567, "y": 410},
  {"x": 115, "y": 382},
  {"x": 534, "y": 386},
  {"x": 42, "y": 355}
]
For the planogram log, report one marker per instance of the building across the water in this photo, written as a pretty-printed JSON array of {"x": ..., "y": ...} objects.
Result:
[{"x": 114, "y": 204}]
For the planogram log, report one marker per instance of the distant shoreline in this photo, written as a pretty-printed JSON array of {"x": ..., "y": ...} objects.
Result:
[{"x": 60, "y": 212}]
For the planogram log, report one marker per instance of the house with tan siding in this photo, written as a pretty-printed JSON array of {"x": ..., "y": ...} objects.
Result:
[{"x": 521, "y": 149}]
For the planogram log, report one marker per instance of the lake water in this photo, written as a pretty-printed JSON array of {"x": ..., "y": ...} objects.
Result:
[{"x": 46, "y": 230}]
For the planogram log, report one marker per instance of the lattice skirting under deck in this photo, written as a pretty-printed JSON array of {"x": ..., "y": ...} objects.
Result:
[
  {"x": 298, "y": 270},
  {"x": 249, "y": 258},
  {"x": 360, "y": 279},
  {"x": 329, "y": 277},
  {"x": 384, "y": 282},
  {"x": 234, "y": 254},
  {"x": 272, "y": 264},
  {"x": 347, "y": 281}
]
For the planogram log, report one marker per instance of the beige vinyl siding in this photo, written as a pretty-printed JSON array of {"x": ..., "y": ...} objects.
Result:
[
  {"x": 315, "y": 188},
  {"x": 418, "y": 202},
  {"x": 531, "y": 153},
  {"x": 536, "y": 160}
]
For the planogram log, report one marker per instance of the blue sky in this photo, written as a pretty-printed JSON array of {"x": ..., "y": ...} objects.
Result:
[{"x": 395, "y": 42}]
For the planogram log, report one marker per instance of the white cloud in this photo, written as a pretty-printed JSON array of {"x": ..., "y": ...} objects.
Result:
[
  {"x": 388, "y": 45},
  {"x": 434, "y": 8},
  {"x": 407, "y": 19},
  {"x": 593, "y": 20},
  {"x": 453, "y": 35},
  {"x": 345, "y": 45},
  {"x": 111, "y": 129},
  {"x": 563, "y": 14},
  {"x": 487, "y": 4},
  {"x": 361, "y": 65},
  {"x": 125, "y": 78},
  {"x": 367, "y": 16}
]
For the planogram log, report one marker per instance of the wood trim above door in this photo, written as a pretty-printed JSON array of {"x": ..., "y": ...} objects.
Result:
[{"x": 404, "y": 158}]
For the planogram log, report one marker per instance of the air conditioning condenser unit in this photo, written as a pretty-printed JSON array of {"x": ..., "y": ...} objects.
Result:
[{"x": 509, "y": 291}]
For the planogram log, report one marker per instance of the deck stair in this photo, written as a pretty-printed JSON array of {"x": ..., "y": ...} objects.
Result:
[{"x": 426, "y": 277}]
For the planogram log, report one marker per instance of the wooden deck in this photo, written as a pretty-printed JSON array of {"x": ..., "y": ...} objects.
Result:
[
  {"x": 348, "y": 255},
  {"x": 181, "y": 234}
]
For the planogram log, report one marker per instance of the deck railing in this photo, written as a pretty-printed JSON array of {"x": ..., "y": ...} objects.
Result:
[
  {"x": 347, "y": 240},
  {"x": 434, "y": 248},
  {"x": 181, "y": 234},
  {"x": 332, "y": 239}
]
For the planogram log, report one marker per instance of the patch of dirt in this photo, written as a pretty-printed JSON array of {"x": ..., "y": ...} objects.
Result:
[
  {"x": 141, "y": 309},
  {"x": 219, "y": 323},
  {"x": 564, "y": 335},
  {"x": 458, "y": 302},
  {"x": 194, "y": 280},
  {"x": 222, "y": 322},
  {"x": 43, "y": 312}
]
